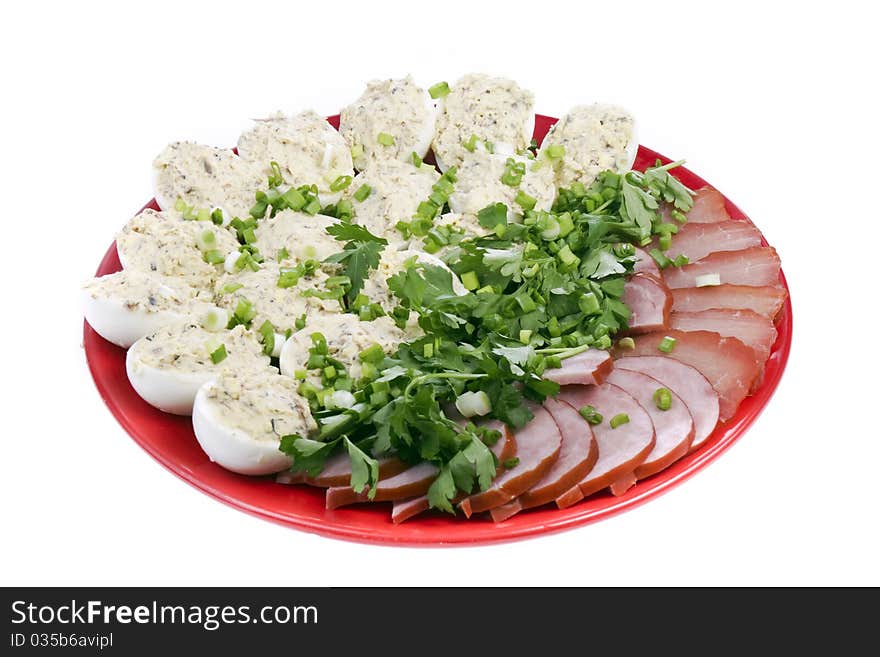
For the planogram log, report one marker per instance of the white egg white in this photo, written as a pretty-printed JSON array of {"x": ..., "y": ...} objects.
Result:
[
  {"x": 168, "y": 390},
  {"x": 123, "y": 326}
]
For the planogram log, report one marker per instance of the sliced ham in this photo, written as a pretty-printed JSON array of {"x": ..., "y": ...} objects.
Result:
[
  {"x": 621, "y": 450},
  {"x": 749, "y": 327},
  {"x": 758, "y": 265},
  {"x": 503, "y": 450},
  {"x": 337, "y": 471},
  {"x": 696, "y": 241},
  {"x": 673, "y": 428},
  {"x": 645, "y": 264},
  {"x": 409, "y": 483},
  {"x": 709, "y": 207},
  {"x": 537, "y": 447},
  {"x": 649, "y": 302},
  {"x": 765, "y": 300},
  {"x": 686, "y": 382},
  {"x": 577, "y": 456},
  {"x": 587, "y": 368},
  {"x": 728, "y": 364}
]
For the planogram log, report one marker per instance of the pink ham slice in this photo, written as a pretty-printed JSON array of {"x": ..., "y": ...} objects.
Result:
[
  {"x": 577, "y": 456},
  {"x": 758, "y": 265},
  {"x": 621, "y": 450},
  {"x": 729, "y": 365},
  {"x": 409, "y": 483},
  {"x": 645, "y": 264},
  {"x": 337, "y": 472},
  {"x": 537, "y": 448},
  {"x": 503, "y": 450},
  {"x": 587, "y": 368},
  {"x": 709, "y": 207},
  {"x": 686, "y": 382},
  {"x": 765, "y": 300},
  {"x": 752, "y": 329},
  {"x": 649, "y": 302},
  {"x": 696, "y": 241},
  {"x": 673, "y": 428}
]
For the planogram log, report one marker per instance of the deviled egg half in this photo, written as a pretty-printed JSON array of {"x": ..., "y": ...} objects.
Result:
[
  {"x": 204, "y": 177},
  {"x": 296, "y": 236},
  {"x": 167, "y": 367},
  {"x": 125, "y": 306},
  {"x": 240, "y": 416},
  {"x": 391, "y": 120},
  {"x": 480, "y": 111},
  {"x": 588, "y": 140},
  {"x": 306, "y": 147}
]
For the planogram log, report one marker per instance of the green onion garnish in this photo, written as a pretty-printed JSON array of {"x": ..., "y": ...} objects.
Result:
[
  {"x": 681, "y": 260},
  {"x": 283, "y": 254},
  {"x": 525, "y": 201},
  {"x": 617, "y": 420},
  {"x": 372, "y": 354},
  {"x": 471, "y": 143},
  {"x": 589, "y": 304},
  {"x": 667, "y": 344},
  {"x": 219, "y": 354},
  {"x": 416, "y": 160},
  {"x": 470, "y": 281},
  {"x": 385, "y": 139},
  {"x": 590, "y": 414},
  {"x": 665, "y": 241},
  {"x": 300, "y": 322},
  {"x": 213, "y": 256},
  {"x": 663, "y": 398},
  {"x": 439, "y": 90},
  {"x": 626, "y": 343},
  {"x": 555, "y": 151},
  {"x": 362, "y": 193},
  {"x": 267, "y": 334},
  {"x": 340, "y": 183},
  {"x": 511, "y": 463},
  {"x": 275, "y": 177}
]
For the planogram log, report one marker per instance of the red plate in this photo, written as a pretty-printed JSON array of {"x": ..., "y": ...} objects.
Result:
[{"x": 170, "y": 440}]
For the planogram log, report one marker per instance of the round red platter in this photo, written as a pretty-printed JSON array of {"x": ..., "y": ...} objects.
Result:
[{"x": 169, "y": 439}]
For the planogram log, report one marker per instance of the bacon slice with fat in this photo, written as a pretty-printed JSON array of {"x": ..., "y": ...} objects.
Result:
[
  {"x": 685, "y": 381},
  {"x": 752, "y": 329},
  {"x": 621, "y": 450},
  {"x": 673, "y": 428},
  {"x": 709, "y": 207},
  {"x": 649, "y": 302},
  {"x": 409, "y": 483},
  {"x": 645, "y": 264},
  {"x": 758, "y": 265},
  {"x": 577, "y": 456},
  {"x": 537, "y": 447},
  {"x": 696, "y": 241},
  {"x": 587, "y": 368},
  {"x": 728, "y": 364},
  {"x": 765, "y": 300}
]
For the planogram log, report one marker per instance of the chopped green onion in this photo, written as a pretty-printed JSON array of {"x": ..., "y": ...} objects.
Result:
[
  {"x": 213, "y": 257},
  {"x": 473, "y": 403},
  {"x": 471, "y": 143},
  {"x": 525, "y": 335},
  {"x": 313, "y": 208},
  {"x": 439, "y": 90},
  {"x": 589, "y": 304},
  {"x": 619, "y": 419},
  {"x": 428, "y": 350},
  {"x": 667, "y": 344},
  {"x": 214, "y": 320},
  {"x": 267, "y": 333},
  {"x": 244, "y": 311},
  {"x": 229, "y": 288},
  {"x": 340, "y": 183},
  {"x": 470, "y": 281},
  {"x": 511, "y": 463},
  {"x": 356, "y": 151},
  {"x": 626, "y": 343},
  {"x": 665, "y": 241},
  {"x": 678, "y": 216},
  {"x": 219, "y": 354},
  {"x": 707, "y": 280},
  {"x": 372, "y": 354},
  {"x": 330, "y": 372},
  {"x": 275, "y": 177},
  {"x": 283, "y": 254},
  {"x": 294, "y": 199},
  {"x": 555, "y": 151},
  {"x": 568, "y": 258},
  {"x": 300, "y": 322},
  {"x": 362, "y": 193},
  {"x": 525, "y": 201},
  {"x": 660, "y": 258},
  {"x": 663, "y": 398},
  {"x": 416, "y": 160},
  {"x": 590, "y": 415},
  {"x": 385, "y": 139},
  {"x": 680, "y": 260}
]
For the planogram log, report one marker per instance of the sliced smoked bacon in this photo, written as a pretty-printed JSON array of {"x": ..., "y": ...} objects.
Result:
[
  {"x": 673, "y": 428},
  {"x": 649, "y": 302},
  {"x": 686, "y": 382},
  {"x": 696, "y": 241},
  {"x": 621, "y": 450},
  {"x": 411, "y": 482},
  {"x": 758, "y": 265},
  {"x": 709, "y": 207},
  {"x": 577, "y": 456},
  {"x": 587, "y": 368},
  {"x": 503, "y": 450},
  {"x": 728, "y": 364},
  {"x": 337, "y": 472},
  {"x": 537, "y": 447},
  {"x": 645, "y": 264},
  {"x": 753, "y": 329},
  {"x": 765, "y": 300}
]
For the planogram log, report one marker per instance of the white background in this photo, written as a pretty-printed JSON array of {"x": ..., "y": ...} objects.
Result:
[{"x": 774, "y": 106}]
